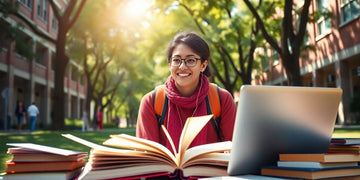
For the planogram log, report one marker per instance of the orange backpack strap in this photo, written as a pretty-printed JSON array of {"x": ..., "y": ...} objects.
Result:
[
  {"x": 214, "y": 99},
  {"x": 213, "y": 103},
  {"x": 160, "y": 103}
]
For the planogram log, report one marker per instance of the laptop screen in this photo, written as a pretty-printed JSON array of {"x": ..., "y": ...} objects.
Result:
[{"x": 281, "y": 119}]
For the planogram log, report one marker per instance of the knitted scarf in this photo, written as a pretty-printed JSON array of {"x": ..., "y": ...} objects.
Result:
[{"x": 173, "y": 123}]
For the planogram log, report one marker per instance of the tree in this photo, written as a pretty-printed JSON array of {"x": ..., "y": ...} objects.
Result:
[
  {"x": 65, "y": 19},
  {"x": 292, "y": 36}
]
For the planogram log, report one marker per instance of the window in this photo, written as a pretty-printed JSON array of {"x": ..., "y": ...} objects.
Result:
[
  {"x": 40, "y": 54},
  {"x": 54, "y": 23},
  {"x": 53, "y": 61},
  {"x": 45, "y": 12},
  {"x": 323, "y": 24},
  {"x": 27, "y": 3},
  {"x": 349, "y": 10},
  {"x": 74, "y": 73},
  {"x": 39, "y": 8},
  {"x": 42, "y": 9},
  {"x": 3, "y": 42}
]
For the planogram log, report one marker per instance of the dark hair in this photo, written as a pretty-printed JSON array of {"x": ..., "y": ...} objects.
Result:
[{"x": 196, "y": 43}]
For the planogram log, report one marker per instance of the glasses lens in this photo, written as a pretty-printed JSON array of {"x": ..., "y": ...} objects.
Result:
[
  {"x": 190, "y": 62},
  {"x": 175, "y": 62}
]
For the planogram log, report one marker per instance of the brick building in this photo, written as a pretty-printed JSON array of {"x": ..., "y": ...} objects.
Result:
[
  {"x": 33, "y": 81},
  {"x": 336, "y": 60}
]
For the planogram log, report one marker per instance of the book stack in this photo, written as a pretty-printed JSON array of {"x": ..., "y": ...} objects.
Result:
[
  {"x": 32, "y": 161},
  {"x": 345, "y": 145},
  {"x": 340, "y": 162}
]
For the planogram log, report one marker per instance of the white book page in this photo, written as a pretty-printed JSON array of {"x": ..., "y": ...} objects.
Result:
[
  {"x": 131, "y": 142},
  {"x": 191, "y": 129},
  {"x": 43, "y": 148},
  {"x": 93, "y": 145},
  {"x": 194, "y": 152}
]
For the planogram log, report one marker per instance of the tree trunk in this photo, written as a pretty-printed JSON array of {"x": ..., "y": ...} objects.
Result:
[
  {"x": 292, "y": 70},
  {"x": 61, "y": 61}
]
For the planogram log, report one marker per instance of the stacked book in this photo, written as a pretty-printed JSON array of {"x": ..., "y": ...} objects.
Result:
[
  {"x": 340, "y": 162},
  {"x": 32, "y": 161}
]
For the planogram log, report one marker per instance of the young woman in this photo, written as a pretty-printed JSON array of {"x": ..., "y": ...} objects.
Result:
[{"x": 186, "y": 89}]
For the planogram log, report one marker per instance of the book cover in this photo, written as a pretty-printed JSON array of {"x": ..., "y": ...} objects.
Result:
[
  {"x": 41, "y": 148},
  {"x": 344, "y": 148},
  {"x": 309, "y": 164},
  {"x": 59, "y": 175},
  {"x": 19, "y": 167},
  {"x": 348, "y": 141},
  {"x": 131, "y": 156},
  {"x": 311, "y": 173},
  {"x": 25, "y": 155},
  {"x": 321, "y": 157}
]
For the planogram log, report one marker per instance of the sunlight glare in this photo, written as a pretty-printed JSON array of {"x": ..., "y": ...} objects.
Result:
[{"x": 136, "y": 9}]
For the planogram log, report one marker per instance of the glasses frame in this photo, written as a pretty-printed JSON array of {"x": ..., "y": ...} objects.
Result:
[{"x": 183, "y": 61}]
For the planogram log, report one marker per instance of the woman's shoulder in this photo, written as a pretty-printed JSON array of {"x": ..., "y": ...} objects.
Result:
[
  {"x": 148, "y": 97},
  {"x": 224, "y": 92}
]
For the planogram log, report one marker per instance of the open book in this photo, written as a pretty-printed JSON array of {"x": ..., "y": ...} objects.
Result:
[{"x": 144, "y": 158}]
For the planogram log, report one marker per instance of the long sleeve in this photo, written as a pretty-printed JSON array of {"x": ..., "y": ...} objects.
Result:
[
  {"x": 228, "y": 113},
  {"x": 147, "y": 123}
]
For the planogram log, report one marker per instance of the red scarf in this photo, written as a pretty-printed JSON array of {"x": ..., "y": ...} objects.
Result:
[{"x": 173, "y": 122}]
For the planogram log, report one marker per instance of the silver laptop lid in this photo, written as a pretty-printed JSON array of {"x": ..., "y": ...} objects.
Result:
[{"x": 281, "y": 119}]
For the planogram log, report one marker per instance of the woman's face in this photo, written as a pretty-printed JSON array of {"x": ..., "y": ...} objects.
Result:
[{"x": 186, "y": 78}]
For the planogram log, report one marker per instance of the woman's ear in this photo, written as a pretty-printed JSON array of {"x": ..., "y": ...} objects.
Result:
[{"x": 204, "y": 65}]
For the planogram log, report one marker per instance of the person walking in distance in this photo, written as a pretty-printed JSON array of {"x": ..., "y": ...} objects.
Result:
[
  {"x": 20, "y": 113},
  {"x": 33, "y": 112},
  {"x": 100, "y": 119},
  {"x": 85, "y": 120}
]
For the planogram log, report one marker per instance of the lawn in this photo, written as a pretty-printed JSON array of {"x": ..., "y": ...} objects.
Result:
[{"x": 54, "y": 139}]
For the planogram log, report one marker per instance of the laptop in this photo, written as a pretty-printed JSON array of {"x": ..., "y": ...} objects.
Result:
[{"x": 281, "y": 119}]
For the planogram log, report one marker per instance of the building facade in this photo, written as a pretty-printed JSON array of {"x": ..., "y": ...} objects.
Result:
[
  {"x": 33, "y": 80},
  {"x": 335, "y": 62}
]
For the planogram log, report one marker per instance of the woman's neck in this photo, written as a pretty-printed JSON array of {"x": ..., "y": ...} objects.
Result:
[{"x": 186, "y": 91}]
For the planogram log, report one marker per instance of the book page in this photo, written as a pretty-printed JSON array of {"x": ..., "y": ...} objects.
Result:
[
  {"x": 211, "y": 159},
  {"x": 47, "y": 149},
  {"x": 194, "y": 152},
  {"x": 131, "y": 142},
  {"x": 134, "y": 172},
  {"x": 93, "y": 145},
  {"x": 169, "y": 138},
  {"x": 205, "y": 171},
  {"x": 191, "y": 129}
]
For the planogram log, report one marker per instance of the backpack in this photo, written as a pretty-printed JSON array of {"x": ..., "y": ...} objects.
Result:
[{"x": 213, "y": 105}]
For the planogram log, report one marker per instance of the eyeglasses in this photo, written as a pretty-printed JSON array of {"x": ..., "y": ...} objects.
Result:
[{"x": 189, "y": 62}]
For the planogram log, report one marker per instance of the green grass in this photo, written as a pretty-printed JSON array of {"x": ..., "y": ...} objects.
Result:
[
  {"x": 347, "y": 132},
  {"x": 54, "y": 139}
]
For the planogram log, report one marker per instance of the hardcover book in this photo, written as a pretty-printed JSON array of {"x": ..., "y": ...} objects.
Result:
[
  {"x": 20, "y": 167},
  {"x": 349, "y": 141},
  {"x": 143, "y": 158},
  {"x": 321, "y": 157},
  {"x": 345, "y": 148},
  {"x": 311, "y": 173},
  {"x": 309, "y": 164},
  {"x": 56, "y": 175}
]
